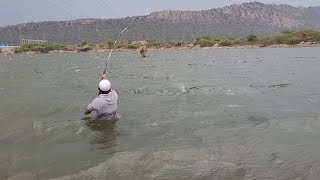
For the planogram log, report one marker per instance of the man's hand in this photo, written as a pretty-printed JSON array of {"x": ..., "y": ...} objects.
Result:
[{"x": 103, "y": 76}]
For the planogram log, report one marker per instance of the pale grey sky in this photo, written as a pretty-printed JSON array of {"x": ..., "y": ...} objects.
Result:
[{"x": 21, "y": 11}]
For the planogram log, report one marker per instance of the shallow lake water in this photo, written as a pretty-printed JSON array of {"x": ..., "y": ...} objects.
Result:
[{"x": 191, "y": 114}]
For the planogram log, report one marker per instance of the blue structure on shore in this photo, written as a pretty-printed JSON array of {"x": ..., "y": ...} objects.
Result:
[{"x": 4, "y": 45}]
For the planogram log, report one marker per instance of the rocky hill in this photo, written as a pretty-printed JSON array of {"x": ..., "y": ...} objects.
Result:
[{"x": 230, "y": 21}]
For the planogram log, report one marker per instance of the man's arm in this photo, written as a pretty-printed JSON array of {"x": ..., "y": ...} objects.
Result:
[
  {"x": 91, "y": 107},
  {"x": 104, "y": 76},
  {"x": 87, "y": 111}
]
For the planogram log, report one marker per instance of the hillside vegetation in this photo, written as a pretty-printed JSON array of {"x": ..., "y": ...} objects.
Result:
[{"x": 233, "y": 21}]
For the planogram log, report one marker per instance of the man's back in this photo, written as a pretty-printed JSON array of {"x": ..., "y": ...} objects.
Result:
[{"x": 105, "y": 105}]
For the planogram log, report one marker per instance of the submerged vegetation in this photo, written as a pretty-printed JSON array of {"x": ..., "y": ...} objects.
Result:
[{"x": 305, "y": 38}]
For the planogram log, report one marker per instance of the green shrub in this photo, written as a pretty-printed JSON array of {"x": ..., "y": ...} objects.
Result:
[
  {"x": 0, "y": 50},
  {"x": 109, "y": 44},
  {"x": 84, "y": 43},
  {"x": 70, "y": 48},
  {"x": 293, "y": 41},
  {"x": 317, "y": 37},
  {"x": 266, "y": 42},
  {"x": 292, "y": 38},
  {"x": 155, "y": 43},
  {"x": 85, "y": 48},
  {"x": 236, "y": 41},
  {"x": 120, "y": 44},
  {"x": 225, "y": 42},
  {"x": 101, "y": 46},
  {"x": 132, "y": 46},
  {"x": 252, "y": 38},
  {"x": 207, "y": 42},
  {"x": 203, "y": 37},
  {"x": 174, "y": 44},
  {"x": 44, "y": 48}
]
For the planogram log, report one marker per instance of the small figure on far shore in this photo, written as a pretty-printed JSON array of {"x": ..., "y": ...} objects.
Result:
[{"x": 142, "y": 49}]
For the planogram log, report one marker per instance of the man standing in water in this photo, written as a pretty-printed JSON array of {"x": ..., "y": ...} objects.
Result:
[{"x": 106, "y": 104}]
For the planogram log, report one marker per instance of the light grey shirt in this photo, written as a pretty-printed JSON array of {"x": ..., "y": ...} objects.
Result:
[{"x": 106, "y": 105}]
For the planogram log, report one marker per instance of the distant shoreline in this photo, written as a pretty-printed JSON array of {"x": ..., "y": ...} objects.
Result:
[
  {"x": 10, "y": 51},
  {"x": 288, "y": 39}
]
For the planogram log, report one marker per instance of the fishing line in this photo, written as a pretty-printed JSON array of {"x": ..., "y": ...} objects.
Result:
[
  {"x": 79, "y": 10},
  {"x": 111, "y": 11},
  {"x": 103, "y": 5},
  {"x": 114, "y": 45},
  {"x": 61, "y": 8},
  {"x": 114, "y": 13}
]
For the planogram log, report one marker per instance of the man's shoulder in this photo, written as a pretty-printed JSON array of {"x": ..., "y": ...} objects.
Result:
[
  {"x": 114, "y": 92},
  {"x": 95, "y": 103},
  {"x": 96, "y": 99}
]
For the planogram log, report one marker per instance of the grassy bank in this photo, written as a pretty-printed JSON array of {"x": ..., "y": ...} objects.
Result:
[
  {"x": 43, "y": 48},
  {"x": 287, "y": 38},
  {"x": 305, "y": 38},
  {"x": 134, "y": 45},
  {"x": 210, "y": 42},
  {"x": 292, "y": 38}
]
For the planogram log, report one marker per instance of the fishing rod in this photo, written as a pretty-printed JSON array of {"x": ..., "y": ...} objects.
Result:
[{"x": 114, "y": 45}]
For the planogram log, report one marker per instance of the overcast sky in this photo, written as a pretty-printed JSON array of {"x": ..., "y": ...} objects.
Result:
[{"x": 21, "y": 11}]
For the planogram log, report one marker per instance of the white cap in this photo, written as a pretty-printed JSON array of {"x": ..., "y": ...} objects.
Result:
[{"x": 104, "y": 85}]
